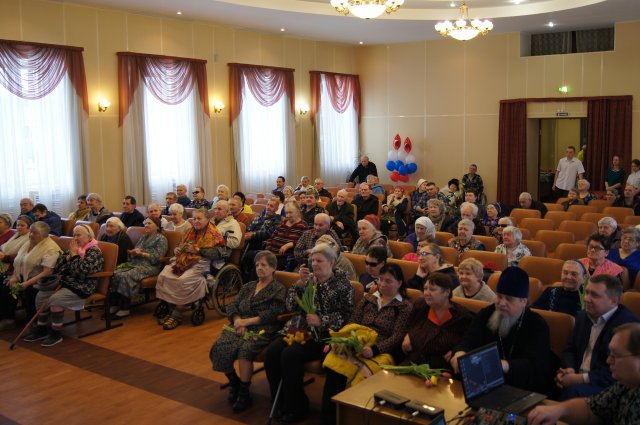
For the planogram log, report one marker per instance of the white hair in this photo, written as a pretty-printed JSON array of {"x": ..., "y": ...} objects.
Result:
[
  {"x": 467, "y": 222},
  {"x": 609, "y": 221},
  {"x": 176, "y": 208},
  {"x": 474, "y": 208}
]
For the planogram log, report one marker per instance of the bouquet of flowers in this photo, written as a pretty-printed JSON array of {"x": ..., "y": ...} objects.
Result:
[
  {"x": 15, "y": 290},
  {"x": 423, "y": 371},
  {"x": 296, "y": 335},
  {"x": 248, "y": 335},
  {"x": 581, "y": 291},
  {"x": 348, "y": 346},
  {"x": 308, "y": 301}
]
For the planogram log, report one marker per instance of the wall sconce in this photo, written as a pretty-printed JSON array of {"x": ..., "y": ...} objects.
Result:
[
  {"x": 218, "y": 107},
  {"x": 103, "y": 105},
  {"x": 563, "y": 89},
  {"x": 303, "y": 109}
]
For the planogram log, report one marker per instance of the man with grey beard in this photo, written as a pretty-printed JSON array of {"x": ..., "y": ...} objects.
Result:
[{"x": 522, "y": 335}]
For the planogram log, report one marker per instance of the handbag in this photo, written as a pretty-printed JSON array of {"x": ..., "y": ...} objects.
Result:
[{"x": 48, "y": 283}]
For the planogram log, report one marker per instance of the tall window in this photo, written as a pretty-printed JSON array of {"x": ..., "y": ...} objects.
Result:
[
  {"x": 262, "y": 100},
  {"x": 43, "y": 113},
  {"x": 165, "y": 123},
  {"x": 335, "y": 111}
]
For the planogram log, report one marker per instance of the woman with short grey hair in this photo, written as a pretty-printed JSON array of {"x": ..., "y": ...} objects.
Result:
[
  {"x": 116, "y": 232},
  {"x": 97, "y": 212},
  {"x": 583, "y": 191},
  {"x": 177, "y": 222},
  {"x": 608, "y": 227},
  {"x": 512, "y": 246},
  {"x": 628, "y": 255}
]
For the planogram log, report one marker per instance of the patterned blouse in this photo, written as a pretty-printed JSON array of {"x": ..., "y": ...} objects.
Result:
[
  {"x": 285, "y": 234},
  {"x": 618, "y": 404},
  {"x": 74, "y": 272},
  {"x": 266, "y": 304},
  {"x": 473, "y": 244},
  {"x": 514, "y": 255}
]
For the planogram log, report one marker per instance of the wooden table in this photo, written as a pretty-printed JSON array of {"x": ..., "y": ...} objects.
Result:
[{"x": 356, "y": 405}]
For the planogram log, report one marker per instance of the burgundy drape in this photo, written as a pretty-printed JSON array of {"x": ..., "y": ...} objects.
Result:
[
  {"x": 512, "y": 151},
  {"x": 33, "y": 70},
  {"x": 169, "y": 79},
  {"x": 608, "y": 134},
  {"x": 342, "y": 88},
  {"x": 267, "y": 84}
]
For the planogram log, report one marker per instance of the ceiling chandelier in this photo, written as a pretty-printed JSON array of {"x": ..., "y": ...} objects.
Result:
[
  {"x": 463, "y": 29},
  {"x": 366, "y": 9}
]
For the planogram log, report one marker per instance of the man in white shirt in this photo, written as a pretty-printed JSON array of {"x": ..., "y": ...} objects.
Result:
[{"x": 568, "y": 169}]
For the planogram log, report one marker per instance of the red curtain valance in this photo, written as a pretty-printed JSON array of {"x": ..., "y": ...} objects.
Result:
[
  {"x": 342, "y": 88},
  {"x": 169, "y": 79},
  {"x": 267, "y": 84},
  {"x": 33, "y": 70}
]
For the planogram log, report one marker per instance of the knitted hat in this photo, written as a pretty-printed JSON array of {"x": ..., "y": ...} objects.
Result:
[
  {"x": 496, "y": 205},
  {"x": 427, "y": 223},
  {"x": 420, "y": 183},
  {"x": 373, "y": 219},
  {"x": 514, "y": 282}
]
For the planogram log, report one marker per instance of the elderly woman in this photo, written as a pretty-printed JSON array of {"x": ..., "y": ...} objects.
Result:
[
  {"x": 565, "y": 298},
  {"x": 431, "y": 260},
  {"x": 255, "y": 309},
  {"x": 6, "y": 232},
  {"x": 183, "y": 281},
  {"x": 342, "y": 263},
  {"x": 144, "y": 261},
  {"x": 573, "y": 198},
  {"x": 503, "y": 223},
  {"x": 386, "y": 312},
  {"x": 73, "y": 267},
  {"x": 465, "y": 240},
  {"x": 375, "y": 260},
  {"x": 469, "y": 211},
  {"x": 177, "y": 223},
  {"x": 583, "y": 191},
  {"x": 10, "y": 248},
  {"x": 34, "y": 261},
  {"x": 419, "y": 199},
  {"x": 154, "y": 211},
  {"x": 437, "y": 213},
  {"x": 304, "y": 185},
  {"x": 453, "y": 195},
  {"x": 436, "y": 324},
  {"x": 370, "y": 236},
  {"x": 628, "y": 254},
  {"x": 288, "y": 194},
  {"x": 490, "y": 221},
  {"x": 305, "y": 332},
  {"x": 393, "y": 210},
  {"x": 97, "y": 212},
  {"x": 222, "y": 194},
  {"x": 596, "y": 260},
  {"x": 608, "y": 227},
  {"x": 341, "y": 214},
  {"x": 83, "y": 209},
  {"x": 512, "y": 246},
  {"x": 284, "y": 239},
  {"x": 116, "y": 232},
  {"x": 424, "y": 231},
  {"x": 470, "y": 274}
]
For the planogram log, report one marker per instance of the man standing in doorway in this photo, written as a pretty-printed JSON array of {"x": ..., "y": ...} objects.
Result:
[{"x": 569, "y": 168}]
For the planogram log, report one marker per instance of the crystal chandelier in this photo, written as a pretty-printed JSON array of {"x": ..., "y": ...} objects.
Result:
[
  {"x": 366, "y": 9},
  {"x": 463, "y": 29}
]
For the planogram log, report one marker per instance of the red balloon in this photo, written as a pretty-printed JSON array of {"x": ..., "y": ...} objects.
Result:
[
  {"x": 395, "y": 176},
  {"x": 397, "y": 141},
  {"x": 407, "y": 145},
  {"x": 404, "y": 178}
]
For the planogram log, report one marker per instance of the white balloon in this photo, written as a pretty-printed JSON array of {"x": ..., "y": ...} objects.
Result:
[
  {"x": 402, "y": 155},
  {"x": 410, "y": 158},
  {"x": 393, "y": 155}
]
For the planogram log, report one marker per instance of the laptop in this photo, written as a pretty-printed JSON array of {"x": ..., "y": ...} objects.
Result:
[{"x": 484, "y": 385}]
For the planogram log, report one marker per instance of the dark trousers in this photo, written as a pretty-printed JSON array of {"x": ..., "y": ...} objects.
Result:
[
  {"x": 286, "y": 362},
  {"x": 8, "y": 303},
  {"x": 559, "y": 193},
  {"x": 334, "y": 384}
]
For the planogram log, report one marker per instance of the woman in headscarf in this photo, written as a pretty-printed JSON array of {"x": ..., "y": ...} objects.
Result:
[
  {"x": 490, "y": 221},
  {"x": 9, "y": 246},
  {"x": 116, "y": 232},
  {"x": 424, "y": 230}
]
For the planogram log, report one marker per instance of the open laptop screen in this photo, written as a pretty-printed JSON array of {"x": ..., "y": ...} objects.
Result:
[{"x": 481, "y": 371}]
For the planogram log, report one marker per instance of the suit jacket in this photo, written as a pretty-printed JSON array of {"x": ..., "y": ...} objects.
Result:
[{"x": 600, "y": 374}]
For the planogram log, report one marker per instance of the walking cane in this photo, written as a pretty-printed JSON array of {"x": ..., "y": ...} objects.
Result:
[
  {"x": 28, "y": 325},
  {"x": 275, "y": 403}
]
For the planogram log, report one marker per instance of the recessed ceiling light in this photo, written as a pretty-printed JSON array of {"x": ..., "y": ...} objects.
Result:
[
  {"x": 282, "y": 29},
  {"x": 362, "y": 42},
  {"x": 178, "y": 13},
  {"x": 516, "y": 1},
  {"x": 551, "y": 25},
  {"x": 452, "y": 4}
]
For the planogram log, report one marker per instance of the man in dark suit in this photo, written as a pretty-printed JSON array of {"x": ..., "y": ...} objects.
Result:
[
  {"x": 528, "y": 203},
  {"x": 586, "y": 371}
]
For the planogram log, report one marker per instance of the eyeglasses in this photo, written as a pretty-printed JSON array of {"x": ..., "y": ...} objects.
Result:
[
  {"x": 371, "y": 264},
  {"x": 195, "y": 192},
  {"x": 503, "y": 225},
  {"x": 425, "y": 253},
  {"x": 595, "y": 248},
  {"x": 616, "y": 356}
]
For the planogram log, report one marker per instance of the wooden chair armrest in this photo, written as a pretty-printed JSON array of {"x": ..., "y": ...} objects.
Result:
[
  {"x": 283, "y": 317},
  {"x": 99, "y": 275}
]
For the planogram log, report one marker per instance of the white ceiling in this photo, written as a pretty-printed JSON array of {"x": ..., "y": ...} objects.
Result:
[{"x": 317, "y": 20}]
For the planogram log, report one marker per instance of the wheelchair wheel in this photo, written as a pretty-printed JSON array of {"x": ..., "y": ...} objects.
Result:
[
  {"x": 226, "y": 286},
  {"x": 197, "y": 317},
  {"x": 162, "y": 309}
]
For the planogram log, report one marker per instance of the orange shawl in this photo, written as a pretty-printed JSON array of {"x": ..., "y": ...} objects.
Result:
[{"x": 209, "y": 237}]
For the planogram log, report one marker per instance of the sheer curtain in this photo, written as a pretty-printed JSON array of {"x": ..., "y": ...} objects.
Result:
[
  {"x": 43, "y": 115},
  {"x": 263, "y": 124},
  {"x": 165, "y": 124}
]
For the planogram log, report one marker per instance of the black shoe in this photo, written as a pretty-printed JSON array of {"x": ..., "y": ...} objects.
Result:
[
  {"x": 292, "y": 418},
  {"x": 244, "y": 398},
  {"x": 234, "y": 386},
  {"x": 51, "y": 340},
  {"x": 36, "y": 334}
]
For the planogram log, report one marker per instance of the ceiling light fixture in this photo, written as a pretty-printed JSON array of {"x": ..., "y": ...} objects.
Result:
[
  {"x": 551, "y": 25},
  {"x": 366, "y": 9},
  {"x": 463, "y": 29}
]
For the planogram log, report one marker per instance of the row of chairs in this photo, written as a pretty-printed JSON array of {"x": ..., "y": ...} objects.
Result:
[{"x": 578, "y": 212}]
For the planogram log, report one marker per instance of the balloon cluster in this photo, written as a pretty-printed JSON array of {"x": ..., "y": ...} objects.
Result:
[{"x": 401, "y": 162}]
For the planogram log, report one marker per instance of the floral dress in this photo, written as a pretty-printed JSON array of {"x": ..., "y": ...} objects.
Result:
[{"x": 126, "y": 280}]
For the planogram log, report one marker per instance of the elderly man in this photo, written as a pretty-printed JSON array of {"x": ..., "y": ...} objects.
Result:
[
  {"x": 363, "y": 169},
  {"x": 230, "y": 229},
  {"x": 585, "y": 371},
  {"x": 318, "y": 184},
  {"x": 304, "y": 185},
  {"x": 130, "y": 215},
  {"x": 608, "y": 227},
  {"x": 567, "y": 170},
  {"x": 526, "y": 202},
  {"x": 374, "y": 184},
  {"x": 472, "y": 181},
  {"x": 183, "y": 199},
  {"x": 522, "y": 335},
  {"x": 280, "y": 185},
  {"x": 41, "y": 213},
  {"x": 235, "y": 206},
  {"x": 199, "y": 200},
  {"x": 311, "y": 208},
  {"x": 222, "y": 194},
  {"x": 260, "y": 229},
  {"x": 170, "y": 198},
  {"x": 434, "y": 193},
  {"x": 365, "y": 202},
  {"x": 97, "y": 212},
  {"x": 26, "y": 205},
  {"x": 629, "y": 199},
  {"x": 617, "y": 405},
  {"x": 321, "y": 226},
  {"x": 341, "y": 215},
  {"x": 468, "y": 211},
  {"x": 565, "y": 298}
]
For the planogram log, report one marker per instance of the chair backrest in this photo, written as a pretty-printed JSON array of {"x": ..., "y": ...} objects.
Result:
[
  {"x": 518, "y": 214},
  {"x": 357, "y": 260},
  {"x": 450, "y": 255},
  {"x": 94, "y": 226},
  {"x": 591, "y": 217},
  {"x": 553, "y": 238},
  {"x": 537, "y": 248},
  {"x": 535, "y": 286},
  {"x": 535, "y": 224},
  {"x": 561, "y": 200},
  {"x": 333, "y": 191},
  {"x": 345, "y": 185},
  {"x": 619, "y": 213},
  {"x": 325, "y": 199},
  {"x": 559, "y": 216},
  {"x": 553, "y": 207},
  {"x": 600, "y": 204},
  {"x": 580, "y": 229},
  {"x": 67, "y": 227},
  {"x": 548, "y": 270},
  {"x": 490, "y": 243},
  {"x": 442, "y": 238},
  {"x": 526, "y": 233},
  {"x": 409, "y": 268},
  {"x": 259, "y": 195},
  {"x": 582, "y": 209},
  {"x": 101, "y": 231},
  {"x": 631, "y": 300},
  {"x": 400, "y": 249},
  {"x": 135, "y": 233},
  {"x": 173, "y": 240},
  {"x": 288, "y": 279},
  {"x": 632, "y": 220},
  {"x": 560, "y": 329},
  {"x": 472, "y": 305},
  {"x": 62, "y": 241},
  {"x": 358, "y": 291},
  {"x": 500, "y": 260},
  {"x": 414, "y": 295},
  {"x": 110, "y": 255},
  {"x": 189, "y": 212},
  {"x": 636, "y": 284},
  {"x": 257, "y": 208},
  {"x": 261, "y": 201},
  {"x": 251, "y": 216},
  {"x": 249, "y": 201},
  {"x": 570, "y": 251}
]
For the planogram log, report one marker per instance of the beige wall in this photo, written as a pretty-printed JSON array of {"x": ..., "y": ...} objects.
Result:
[
  {"x": 445, "y": 95},
  {"x": 103, "y": 32}
]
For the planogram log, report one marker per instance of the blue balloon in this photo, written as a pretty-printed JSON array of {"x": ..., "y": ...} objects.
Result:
[
  {"x": 412, "y": 168},
  {"x": 391, "y": 165},
  {"x": 403, "y": 170},
  {"x": 399, "y": 164}
]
